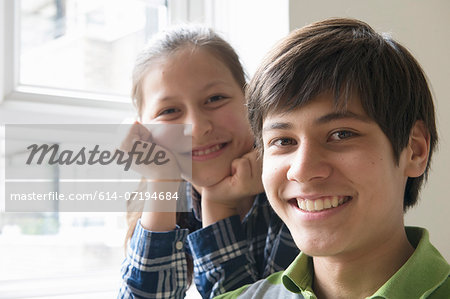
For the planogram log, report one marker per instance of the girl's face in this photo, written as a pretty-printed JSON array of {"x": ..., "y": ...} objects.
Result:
[{"x": 192, "y": 86}]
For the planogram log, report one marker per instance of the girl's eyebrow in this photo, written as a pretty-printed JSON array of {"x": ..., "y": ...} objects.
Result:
[
  {"x": 204, "y": 88},
  {"x": 166, "y": 98},
  {"x": 214, "y": 83}
]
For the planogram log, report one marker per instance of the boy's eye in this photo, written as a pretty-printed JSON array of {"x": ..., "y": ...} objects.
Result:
[
  {"x": 341, "y": 135},
  {"x": 283, "y": 142}
]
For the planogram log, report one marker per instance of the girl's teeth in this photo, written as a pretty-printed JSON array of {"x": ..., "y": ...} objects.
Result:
[
  {"x": 207, "y": 151},
  {"x": 334, "y": 201},
  {"x": 309, "y": 205},
  {"x": 321, "y": 203}
]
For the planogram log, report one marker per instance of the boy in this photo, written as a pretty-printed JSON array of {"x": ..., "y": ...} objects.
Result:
[{"x": 345, "y": 121}]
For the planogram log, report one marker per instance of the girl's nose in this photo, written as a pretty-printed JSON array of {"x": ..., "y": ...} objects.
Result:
[{"x": 201, "y": 124}]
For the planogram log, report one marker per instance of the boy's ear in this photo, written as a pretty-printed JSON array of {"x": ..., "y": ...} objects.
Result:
[{"x": 418, "y": 150}]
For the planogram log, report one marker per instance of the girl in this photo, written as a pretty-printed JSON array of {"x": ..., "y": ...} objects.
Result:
[{"x": 190, "y": 75}]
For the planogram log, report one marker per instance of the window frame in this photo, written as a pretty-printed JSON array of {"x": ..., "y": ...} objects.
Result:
[{"x": 12, "y": 90}]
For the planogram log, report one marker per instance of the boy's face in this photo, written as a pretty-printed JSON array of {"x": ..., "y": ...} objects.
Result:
[{"x": 332, "y": 178}]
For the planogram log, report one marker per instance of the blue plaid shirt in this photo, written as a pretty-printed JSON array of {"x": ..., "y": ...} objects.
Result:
[{"x": 227, "y": 254}]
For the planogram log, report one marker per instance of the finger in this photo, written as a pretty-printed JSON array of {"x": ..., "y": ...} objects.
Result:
[
  {"x": 128, "y": 138},
  {"x": 153, "y": 161},
  {"x": 241, "y": 169},
  {"x": 255, "y": 163},
  {"x": 135, "y": 132},
  {"x": 143, "y": 132}
]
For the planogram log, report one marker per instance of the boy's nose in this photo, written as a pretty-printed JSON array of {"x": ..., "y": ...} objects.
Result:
[{"x": 308, "y": 164}]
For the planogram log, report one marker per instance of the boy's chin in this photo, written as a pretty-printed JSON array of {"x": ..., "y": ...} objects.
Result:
[{"x": 316, "y": 247}]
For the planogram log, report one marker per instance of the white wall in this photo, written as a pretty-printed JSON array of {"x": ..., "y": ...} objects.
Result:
[
  {"x": 252, "y": 27},
  {"x": 424, "y": 28}
]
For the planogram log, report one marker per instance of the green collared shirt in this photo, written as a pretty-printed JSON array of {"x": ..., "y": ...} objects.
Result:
[{"x": 424, "y": 275}]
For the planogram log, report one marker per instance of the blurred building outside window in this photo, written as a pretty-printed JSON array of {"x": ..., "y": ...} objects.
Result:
[{"x": 85, "y": 45}]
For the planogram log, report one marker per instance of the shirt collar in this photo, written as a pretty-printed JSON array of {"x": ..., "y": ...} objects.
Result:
[
  {"x": 424, "y": 271},
  {"x": 298, "y": 277}
]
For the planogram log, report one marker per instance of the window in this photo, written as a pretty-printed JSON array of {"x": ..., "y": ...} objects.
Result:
[
  {"x": 87, "y": 48},
  {"x": 68, "y": 52},
  {"x": 84, "y": 45}
]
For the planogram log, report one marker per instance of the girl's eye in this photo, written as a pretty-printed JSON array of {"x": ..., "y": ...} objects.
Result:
[
  {"x": 168, "y": 111},
  {"x": 215, "y": 98},
  {"x": 283, "y": 142},
  {"x": 341, "y": 135}
]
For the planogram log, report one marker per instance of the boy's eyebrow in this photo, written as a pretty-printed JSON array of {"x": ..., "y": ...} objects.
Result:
[
  {"x": 321, "y": 120},
  {"x": 341, "y": 115},
  {"x": 277, "y": 126}
]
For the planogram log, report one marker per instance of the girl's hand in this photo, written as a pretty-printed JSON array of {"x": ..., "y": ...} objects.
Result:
[
  {"x": 235, "y": 193},
  {"x": 158, "y": 215},
  {"x": 151, "y": 160}
]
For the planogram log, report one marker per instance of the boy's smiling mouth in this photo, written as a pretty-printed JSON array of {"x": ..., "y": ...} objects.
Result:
[{"x": 319, "y": 204}]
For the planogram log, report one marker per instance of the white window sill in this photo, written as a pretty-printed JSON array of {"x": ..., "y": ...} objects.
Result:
[{"x": 21, "y": 108}]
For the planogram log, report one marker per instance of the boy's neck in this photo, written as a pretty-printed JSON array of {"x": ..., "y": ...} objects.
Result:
[{"x": 362, "y": 274}]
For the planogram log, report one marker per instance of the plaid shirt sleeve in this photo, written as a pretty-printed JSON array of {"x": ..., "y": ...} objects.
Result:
[
  {"x": 229, "y": 254},
  {"x": 155, "y": 265}
]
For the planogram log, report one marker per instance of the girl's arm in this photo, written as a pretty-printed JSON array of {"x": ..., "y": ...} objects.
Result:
[{"x": 155, "y": 263}]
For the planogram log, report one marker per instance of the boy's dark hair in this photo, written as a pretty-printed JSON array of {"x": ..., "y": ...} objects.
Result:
[{"x": 346, "y": 57}]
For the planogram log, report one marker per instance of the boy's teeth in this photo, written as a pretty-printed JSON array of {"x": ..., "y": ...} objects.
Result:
[
  {"x": 302, "y": 204},
  {"x": 318, "y": 205},
  {"x": 321, "y": 203}
]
